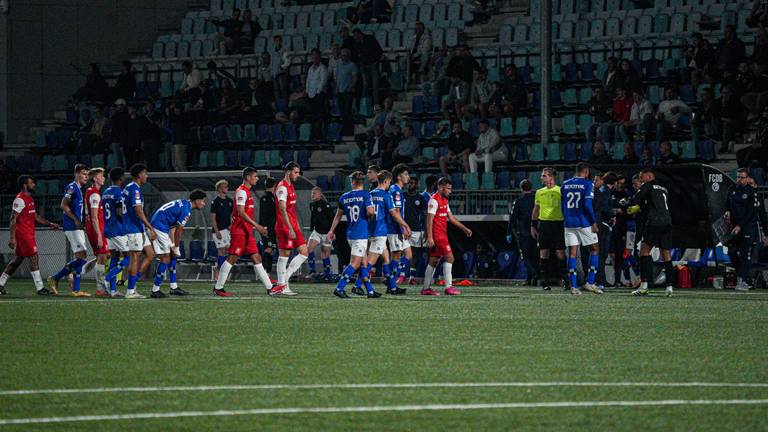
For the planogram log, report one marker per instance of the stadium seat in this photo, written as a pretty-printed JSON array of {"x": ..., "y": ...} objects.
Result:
[
  {"x": 570, "y": 97},
  {"x": 276, "y": 133},
  {"x": 291, "y": 133},
  {"x": 366, "y": 107},
  {"x": 305, "y": 132},
  {"x": 274, "y": 158},
  {"x": 507, "y": 261},
  {"x": 417, "y": 105},
  {"x": 259, "y": 159},
  {"x": 688, "y": 151},
  {"x": 506, "y": 129},
  {"x": 428, "y": 153},
  {"x": 618, "y": 152},
  {"x": 585, "y": 121},
  {"x": 569, "y": 124},
  {"x": 249, "y": 134},
  {"x": 334, "y": 132},
  {"x": 196, "y": 253},
  {"x": 218, "y": 158},
  {"x": 235, "y": 133},
  {"x": 553, "y": 152},
  {"x": 521, "y": 126},
  {"x": 585, "y": 151},
  {"x": 537, "y": 152},
  {"x": 473, "y": 181},
  {"x": 470, "y": 260},
  {"x": 457, "y": 180},
  {"x": 353, "y": 157},
  {"x": 204, "y": 162},
  {"x": 263, "y": 136},
  {"x": 212, "y": 252},
  {"x": 706, "y": 150},
  {"x": 430, "y": 129},
  {"x": 488, "y": 181},
  {"x": 244, "y": 158},
  {"x": 521, "y": 152},
  {"x": 503, "y": 180},
  {"x": 570, "y": 152}
]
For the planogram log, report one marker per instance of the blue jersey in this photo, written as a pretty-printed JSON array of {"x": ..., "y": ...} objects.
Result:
[
  {"x": 355, "y": 204},
  {"x": 75, "y": 196},
  {"x": 112, "y": 200},
  {"x": 397, "y": 198},
  {"x": 132, "y": 197},
  {"x": 171, "y": 214},
  {"x": 382, "y": 204},
  {"x": 576, "y": 203}
]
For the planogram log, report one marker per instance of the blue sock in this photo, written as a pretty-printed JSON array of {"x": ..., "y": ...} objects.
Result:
[
  {"x": 364, "y": 272},
  {"x": 111, "y": 276},
  {"x": 572, "y": 272},
  {"x": 172, "y": 272},
  {"x": 69, "y": 268},
  {"x": 138, "y": 275},
  {"x": 405, "y": 268},
  {"x": 76, "y": 279},
  {"x": 132, "y": 282},
  {"x": 161, "y": 268},
  {"x": 220, "y": 260},
  {"x": 386, "y": 269},
  {"x": 359, "y": 281},
  {"x": 327, "y": 266},
  {"x": 311, "y": 262},
  {"x": 113, "y": 263},
  {"x": 592, "y": 269},
  {"x": 346, "y": 277}
]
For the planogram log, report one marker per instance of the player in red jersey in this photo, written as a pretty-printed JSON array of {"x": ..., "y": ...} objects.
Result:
[
  {"x": 94, "y": 227},
  {"x": 438, "y": 215},
  {"x": 242, "y": 240},
  {"x": 289, "y": 236},
  {"x": 23, "y": 220}
]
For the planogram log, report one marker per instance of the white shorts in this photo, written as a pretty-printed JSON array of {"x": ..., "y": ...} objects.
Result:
[
  {"x": 322, "y": 239},
  {"x": 76, "y": 240},
  {"x": 416, "y": 239},
  {"x": 137, "y": 241},
  {"x": 224, "y": 242},
  {"x": 377, "y": 245},
  {"x": 396, "y": 243},
  {"x": 162, "y": 244},
  {"x": 580, "y": 237},
  {"x": 119, "y": 243},
  {"x": 630, "y": 243},
  {"x": 357, "y": 247}
]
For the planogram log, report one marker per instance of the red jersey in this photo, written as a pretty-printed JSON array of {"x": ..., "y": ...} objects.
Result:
[
  {"x": 438, "y": 206},
  {"x": 243, "y": 197},
  {"x": 93, "y": 198},
  {"x": 287, "y": 193},
  {"x": 24, "y": 207}
]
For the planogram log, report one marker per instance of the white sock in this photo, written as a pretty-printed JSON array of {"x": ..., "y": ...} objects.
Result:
[
  {"x": 282, "y": 264},
  {"x": 643, "y": 285},
  {"x": 174, "y": 285},
  {"x": 447, "y": 275},
  {"x": 99, "y": 275},
  {"x": 428, "y": 273},
  {"x": 223, "y": 274},
  {"x": 36, "y": 278},
  {"x": 131, "y": 291},
  {"x": 295, "y": 265},
  {"x": 155, "y": 288},
  {"x": 4, "y": 278},
  {"x": 262, "y": 275}
]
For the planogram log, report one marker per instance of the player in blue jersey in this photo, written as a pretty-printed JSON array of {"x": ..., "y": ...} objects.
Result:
[
  {"x": 580, "y": 225},
  {"x": 357, "y": 206},
  {"x": 72, "y": 206},
  {"x": 169, "y": 222},
  {"x": 138, "y": 230},
  {"x": 398, "y": 244},
  {"x": 378, "y": 228},
  {"x": 117, "y": 242}
]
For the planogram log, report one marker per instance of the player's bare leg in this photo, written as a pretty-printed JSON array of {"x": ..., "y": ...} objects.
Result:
[
  {"x": 149, "y": 255},
  {"x": 34, "y": 268}
]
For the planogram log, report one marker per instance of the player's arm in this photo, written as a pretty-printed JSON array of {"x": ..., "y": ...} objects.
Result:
[
  {"x": 589, "y": 212},
  {"x": 175, "y": 235},
  {"x": 335, "y": 223},
  {"x": 94, "y": 202},
  {"x": 215, "y": 225},
  {"x": 396, "y": 216},
  {"x": 638, "y": 197},
  {"x": 67, "y": 209},
  {"x": 511, "y": 232},
  {"x": 428, "y": 228},
  {"x": 12, "y": 228},
  {"x": 282, "y": 202},
  {"x": 535, "y": 221},
  {"x": 43, "y": 221},
  {"x": 458, "y": 224},
  {"x": 139, "y": 210}
]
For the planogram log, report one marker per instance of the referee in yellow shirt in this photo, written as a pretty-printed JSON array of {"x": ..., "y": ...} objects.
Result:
[{"x": 547, "y": 228}]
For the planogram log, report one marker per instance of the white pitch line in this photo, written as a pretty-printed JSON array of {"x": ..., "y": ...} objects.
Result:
[
  {"x": 213, "y": 388},
  {"x": 382, "y": 408}
]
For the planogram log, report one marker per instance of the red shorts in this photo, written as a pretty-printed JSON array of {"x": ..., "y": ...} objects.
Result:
[
  {"x": 441, "y": 249},
  {"x": 101, "y": 249},
  {"x": 242, "y": 242},
  {"x": 284, "y": 241},
  {"x": 25, "y": 247}
]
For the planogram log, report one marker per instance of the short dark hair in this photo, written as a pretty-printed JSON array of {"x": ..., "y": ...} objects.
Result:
[
  {"x": 444, "y": 181},
  {"x": 248, "y": 171},
  {"x": 357, "y": 177},
  {"x": 581, "y": 166},
  {"x": 136, "y": 169},
  {"x": 186, "y": 63},
  {"x": 399, "y": 169},
  {"x": 23, "y": 179},
  {"x": 80, "y": 167},
  {"x": 116, "y": 173},
  {"x": 270, "y": 182},
  {"x": 650, "y": 171},
  {"x": 610, "y": 178},
  {"x": 357, "y": 30},
  {"x": 196, "y": 195},
  {"x": 290, "y": 166},
  {"x": 483, "y": 121},
  {"x": 744, "y": 171},
  {"x": 384, "y": 176},
  {"x": 374, "y": 168},
  {"x": 315, "y": 50},
  {"x": 431, "y": 181},
  {"x": 526, "y": 185}
]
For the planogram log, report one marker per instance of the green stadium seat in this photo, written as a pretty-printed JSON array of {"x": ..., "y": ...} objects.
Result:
[
  {"x": 473, "y": 182},
  {"x": 59, "y": 163},
  {"x": 250, "y": 134},
  {"x": 353, "y": 158},
  {"x": 113, "y": 160},
  {"x": 570, "y": 97},
  {"x": 259, "y": 159},
  {"x": 488, "y": 181},
  {"x": 235, "y": 133},
  {"x": 521, "y": 126},
  {"x": 219, "y": 159},
  {"x": 46, "y": 163},
  {"x": 553, "y": 152},
  {"x": 42, "y": 188},
  {"x": 273, "y": 158},
  {"x": 428, "y": 153},
  {"x": 305, "y": 132},
  {"x": 535, "y": 178},
  {"x": 506, "y": 129},
  {"x": 618, "y": 152},
  {"x": 537, "y": 152},
  {"x": 204, "y": 159},
  {"x": 688, "y": 150}
]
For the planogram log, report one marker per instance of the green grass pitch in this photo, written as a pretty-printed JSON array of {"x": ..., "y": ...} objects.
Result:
[{"x": 526, "y": 360}]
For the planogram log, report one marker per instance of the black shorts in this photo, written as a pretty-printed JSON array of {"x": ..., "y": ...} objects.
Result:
[
  {"x": 551, "y": 235},
  {"x": 657, "y": 236}
]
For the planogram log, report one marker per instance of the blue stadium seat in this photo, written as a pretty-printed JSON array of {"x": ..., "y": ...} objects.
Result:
[
  {"x": 212, "y": 253},
  {"x": 570, "y": 152},
  {"x": 276, "y": 133},
  {"x": 232, "y": 159},
  {"x": 503, "y": 180},
  {"x": 585, "y": 151},
  {"x": 263, "y": 136},
  {"x": 334, "y": 132},
  {"x": 196, "y": 253},
  {"x": 417, "y": 105},
  {"x": 458, "y": 180},
  {"x": 291, "y": 134}
]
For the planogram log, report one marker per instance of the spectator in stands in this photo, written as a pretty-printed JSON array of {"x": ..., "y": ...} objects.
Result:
[
  {"x": 462, "y": 66},
  {"x": 666, "y": 156},
  {"x": 459, "y": 146},
  {"x": 346, "y": 80},
  {"x": 387, "y": 116},
  {"x": 613, "y": 77},
  {"x": 374, "y": 11},
  {"x": 132, "y": 137},
  {"x": 438, "y": 65},
  {"x": 95, "y": 88},
  {"x": 670, "y": 111},
  {"x": 599, "y": 106},
  {"x": 458, "y": 96},
  {"x": 744, "y": 81},
  {"x": 514, "y": 97},
  {"x": 407, "y": 149},
  {"x": 699, "y": 57},
  {"x": 369, "y": 55},
  {"x": 190, "y": 83},
  {"x": 630, "y": 158},
  {"x": 348, "y": 42},
  {"x": 249, "y": 29},
  {"x": 317, "y": 92},
  {"x": 631, "y": 80},
  {"x": 620, "y": 111},
  {"x": 375, "y": 145},
  {"x": 229, "y": 100},
  {"x": 706, "y": 118},
  {"x": 119, "y": 128},
  {"x": 760, "y": 53},
  {"x": 125, "y": 86},
  {"x": 731, "y": 50},
  {"x": 178, "y": 122},
  {"x": 599, "y": 155},
  {"x": 228, "y": 41},
  {"x": 259, "y": 100},
  {"x": 419, "y": 52},
  {"x": 732, "y": 115},
  {"x": 150, "y": 125},
  {"x": 281, "y": 63},
  {"x": 81, "y": 137},
  {"x": 264, "y": 72},
  {"x": 217, "y": 76},
  {"x": 758, "y": 15},
  {"x": 298, "y": 106},
  {"x": 334, "y": 55},
  {"x": 207, "y": 103},
  {"x": 490, "y": 148},
  {"x": 99, "y": 130},
  {"x": 640, "y": 118},
  {"x": 479, "y": 96},
  {"x": 646, "y": 160}
]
